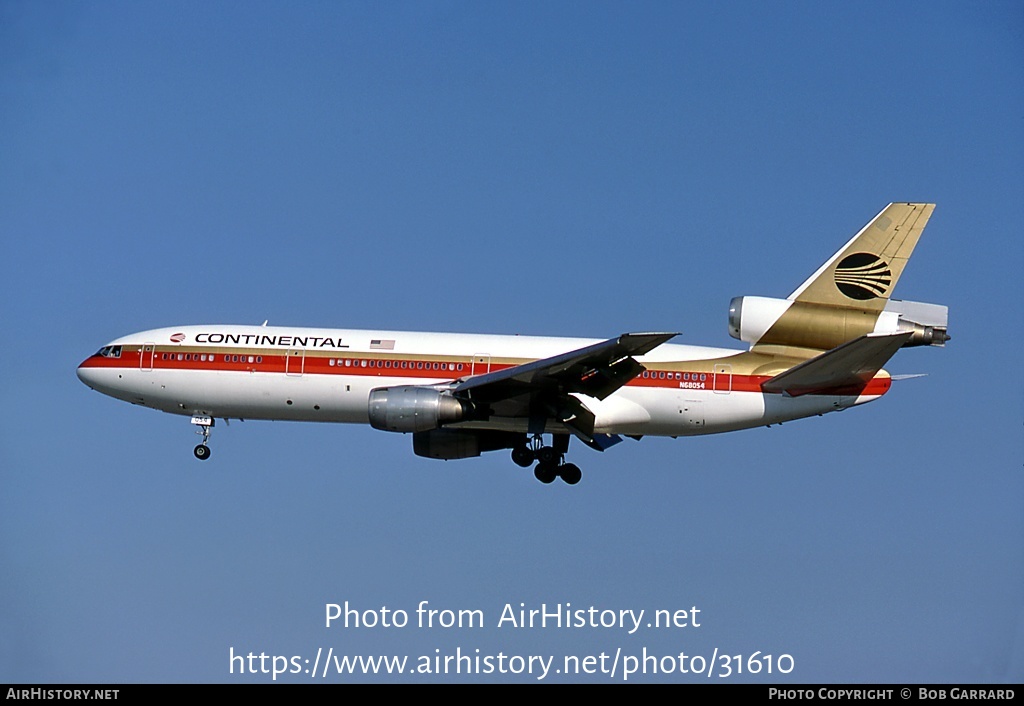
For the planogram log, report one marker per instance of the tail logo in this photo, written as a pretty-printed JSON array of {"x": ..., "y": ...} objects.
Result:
[{"x": 863, "y": 276}]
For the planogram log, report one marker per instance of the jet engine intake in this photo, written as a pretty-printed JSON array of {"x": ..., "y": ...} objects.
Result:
[
  {"x": 823, "y": 326},
  {"x": 751, "y": 317},
  {"x": 415, "y": 408}
]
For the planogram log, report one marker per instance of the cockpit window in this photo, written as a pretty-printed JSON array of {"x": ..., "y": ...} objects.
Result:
[{"x": 109, "y": 352}]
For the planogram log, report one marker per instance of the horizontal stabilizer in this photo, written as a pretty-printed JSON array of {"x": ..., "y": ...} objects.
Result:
[{"x": 842, "y": 370}]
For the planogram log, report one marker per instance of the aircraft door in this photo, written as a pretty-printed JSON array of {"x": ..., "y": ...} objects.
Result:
[
  {"x": 722, "y": 383},
  {"x": 294, "y": 362},
  {"x": 146, "y": 359},
  {"x": 481, "y": 364}
]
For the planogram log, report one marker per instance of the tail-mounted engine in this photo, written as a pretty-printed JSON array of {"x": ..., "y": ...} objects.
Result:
[
  {"x": 784, "y": 322},
  {"x": 415, "y": 408}
]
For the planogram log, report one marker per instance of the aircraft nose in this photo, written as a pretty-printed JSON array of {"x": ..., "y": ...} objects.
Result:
[{"x": 87, "y": 374}]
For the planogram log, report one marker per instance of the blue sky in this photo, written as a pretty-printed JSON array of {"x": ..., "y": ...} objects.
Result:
[{"x": 544, "y": 168}]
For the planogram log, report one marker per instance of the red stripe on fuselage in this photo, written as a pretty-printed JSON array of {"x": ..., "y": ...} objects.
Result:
[{"x": 365, "y": 365}]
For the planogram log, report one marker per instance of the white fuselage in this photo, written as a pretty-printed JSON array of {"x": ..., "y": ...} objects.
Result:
[{"x": 326, "y": 375}]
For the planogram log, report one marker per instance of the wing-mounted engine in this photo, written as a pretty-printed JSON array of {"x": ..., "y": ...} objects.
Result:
[
  {"x": 782, "y": 322},
  {"x": 415, "y": 408},
  {"x": 450, "y": 444}
]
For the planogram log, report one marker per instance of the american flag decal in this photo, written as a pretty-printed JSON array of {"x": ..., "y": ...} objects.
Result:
[{"x": 382, "y": 344}]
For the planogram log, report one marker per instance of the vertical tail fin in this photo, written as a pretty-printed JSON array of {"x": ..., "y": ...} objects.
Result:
[
  {"x": 864, "y": 272},
  {"x": 849, "y": 296}
]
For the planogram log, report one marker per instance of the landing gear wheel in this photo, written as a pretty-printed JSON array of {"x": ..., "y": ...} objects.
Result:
[
  {"x": 570, "y": 473},
  {"x": 548, "y": 456},
  {"x": 522, "y": 456},
  {"x": 205, "y": 424},
  {"x": 545, "y": 472}
]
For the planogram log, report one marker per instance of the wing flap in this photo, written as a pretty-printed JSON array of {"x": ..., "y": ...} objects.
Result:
[
  {"x": 597, "y": 371},
  {"x": 842, "y": 370}
]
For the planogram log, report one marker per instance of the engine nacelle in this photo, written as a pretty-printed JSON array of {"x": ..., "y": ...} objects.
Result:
[
  {"x": 751, "y": 317},
  {"x": 923, "y": 335},
  {"x": 414, "y": 408},
  {"x": 820, "y": 326},
  {"x": 928, "y": 322},
  {"x": 782, "y": 322},
  {"x": 449, "y": 444}
]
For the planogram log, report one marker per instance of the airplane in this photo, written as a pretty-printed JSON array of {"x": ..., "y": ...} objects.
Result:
[{"x": 819, "y": 350}]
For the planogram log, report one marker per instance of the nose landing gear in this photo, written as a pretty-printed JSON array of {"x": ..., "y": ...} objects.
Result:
[{"x": 205, "y": 424}]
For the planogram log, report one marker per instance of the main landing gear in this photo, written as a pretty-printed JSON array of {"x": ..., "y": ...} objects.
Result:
[
  {"x": 205, "y": 424},
  {"x": 550, "y": 459}
]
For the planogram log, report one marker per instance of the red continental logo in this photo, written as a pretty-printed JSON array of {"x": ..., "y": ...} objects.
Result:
[{"x": 177, "y": 337}]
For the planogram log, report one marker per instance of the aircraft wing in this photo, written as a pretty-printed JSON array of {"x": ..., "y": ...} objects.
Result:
[
  {"x": 596, "y": 371},
  {"x": 844, "y": 369},
  {"x": 542, "y": 389}
]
